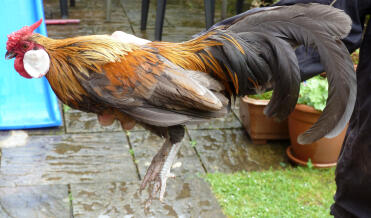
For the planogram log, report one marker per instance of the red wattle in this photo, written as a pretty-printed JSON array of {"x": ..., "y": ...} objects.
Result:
[{"x": 18, "y": 66}]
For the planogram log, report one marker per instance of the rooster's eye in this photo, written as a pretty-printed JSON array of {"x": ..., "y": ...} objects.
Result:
[{"x": 25, "y": 46}]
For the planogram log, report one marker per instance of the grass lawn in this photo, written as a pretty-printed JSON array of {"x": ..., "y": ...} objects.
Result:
[{"x": 291, "y": 192}]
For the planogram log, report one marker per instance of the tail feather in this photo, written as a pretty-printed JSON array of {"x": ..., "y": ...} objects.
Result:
[
  {"x": 254, "y": 62},
  {"x": 320, "y": 27},
  {"x": 285, "y": 77},
  {"x": 334, "y": 20},
  {"x": 242, "y": 66}
]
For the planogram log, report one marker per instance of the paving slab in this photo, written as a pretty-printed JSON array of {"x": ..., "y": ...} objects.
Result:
[
  {"x": 185, "y": 197},
  {"x": 230, "y": 121},
  {"x": 103, "y": 29},
  {"x": 231, "y": 151},
  {"x": 68, "y": 159},
  {"x": 175, "y": 29},
  {"x": 236, "y": 112},
  {"x": 35, "y": 201},
  {"x": 46, "y": 131},
  {"x": 132, "y": 10},
  {"x": 146, "y": 145},
  {"x": 170, "y": 34},
  {"x": 80, "y": 122},
  {"x": 92, "y": 17}
]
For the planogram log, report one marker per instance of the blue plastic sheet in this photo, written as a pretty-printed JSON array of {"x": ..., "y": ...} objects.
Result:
[{"x": 24, "y": 103}]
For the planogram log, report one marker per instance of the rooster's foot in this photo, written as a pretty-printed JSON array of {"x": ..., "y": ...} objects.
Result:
[{"x": 159, "y": 170}]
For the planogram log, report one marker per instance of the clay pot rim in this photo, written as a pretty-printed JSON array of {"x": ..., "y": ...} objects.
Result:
[
  {"x": 255, "y": 101},
  {"x": 300, "y": 107},
  {"x": 304, "y": 163},
  {"x": 307, "y": 109}
]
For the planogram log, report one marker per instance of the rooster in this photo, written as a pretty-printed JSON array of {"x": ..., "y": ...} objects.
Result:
[{"x": 164, "y": 86}]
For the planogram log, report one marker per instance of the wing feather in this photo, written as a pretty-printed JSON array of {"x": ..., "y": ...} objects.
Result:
[{"x": 153, "y": 90}]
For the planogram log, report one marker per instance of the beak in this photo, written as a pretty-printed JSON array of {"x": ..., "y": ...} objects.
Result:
[{"x": 9, "y": 55}]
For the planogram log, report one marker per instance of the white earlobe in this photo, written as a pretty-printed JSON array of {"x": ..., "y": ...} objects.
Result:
[{"x": 36, "y": 63}]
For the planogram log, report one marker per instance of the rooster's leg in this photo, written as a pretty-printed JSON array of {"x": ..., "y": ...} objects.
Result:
[{"x": 159, "y": 170}]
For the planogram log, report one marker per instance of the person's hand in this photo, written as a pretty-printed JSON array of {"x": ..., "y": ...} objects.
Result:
[{"x": 108, "y": 117}]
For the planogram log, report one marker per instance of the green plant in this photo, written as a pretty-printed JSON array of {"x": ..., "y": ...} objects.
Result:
[
  {"x": 193, "y": 143},
  {"x": 70, "y": 197},
  {"x": 309, "y": 163},
  {"x": 263, "y": 96},
  {"x": 66, "y": 108},
  {"x": 355, "y": 57},
  {"x": 314, "y": 92}
]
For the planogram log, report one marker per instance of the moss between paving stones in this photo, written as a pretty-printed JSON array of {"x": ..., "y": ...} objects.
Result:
[{"x": 292, "y": 192}]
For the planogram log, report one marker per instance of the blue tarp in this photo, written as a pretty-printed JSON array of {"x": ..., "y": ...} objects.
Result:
[{"x": 24, "y": 103}]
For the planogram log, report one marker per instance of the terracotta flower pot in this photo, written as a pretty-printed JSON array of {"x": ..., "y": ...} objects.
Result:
[
  {"x": 323, "y": 152},
  {"x": 260, "y": 127}
]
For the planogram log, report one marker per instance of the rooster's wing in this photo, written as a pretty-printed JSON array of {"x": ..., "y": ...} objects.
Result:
[{"x": 153, "y": 90}]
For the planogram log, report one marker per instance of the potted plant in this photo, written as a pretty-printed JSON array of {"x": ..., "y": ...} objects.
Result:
[
  {"x": 312, "y": 100},
  {"x": 355, "y": 58},
  {"x": 260, "y": 127}
]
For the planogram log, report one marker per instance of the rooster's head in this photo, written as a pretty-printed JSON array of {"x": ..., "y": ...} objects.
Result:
[{"x": 31, "y": 60}]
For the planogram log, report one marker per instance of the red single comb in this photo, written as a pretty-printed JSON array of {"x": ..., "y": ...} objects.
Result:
[
  {"x": 14, "y": 37},
  {"x": 34, "y": 26}
]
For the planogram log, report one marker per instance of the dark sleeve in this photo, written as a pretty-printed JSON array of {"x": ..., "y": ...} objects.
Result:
[{"x": 309, "y": 60}]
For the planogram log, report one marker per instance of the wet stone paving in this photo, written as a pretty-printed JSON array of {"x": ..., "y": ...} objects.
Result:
[{"x": 84, "y": 170}]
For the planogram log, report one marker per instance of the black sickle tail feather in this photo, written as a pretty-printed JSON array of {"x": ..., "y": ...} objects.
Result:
[
  {"x": 313, "y": 25},
  {"x": 257, "y": 62},
  {"x": 241, "y": 63},
  {"x": 281, "y": 58}
]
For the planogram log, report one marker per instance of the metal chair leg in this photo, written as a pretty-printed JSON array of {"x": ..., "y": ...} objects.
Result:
[
  {"x": 209, "y": 12},
  {"x": 144, "y": 14},
  {"x": 224, "y": 9},
  {"x": 64, "y": 8},
  {"x": 108, "y": 10},
  {"x": 239, "y": 6},
  {"x": 160, "y": 15}
]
